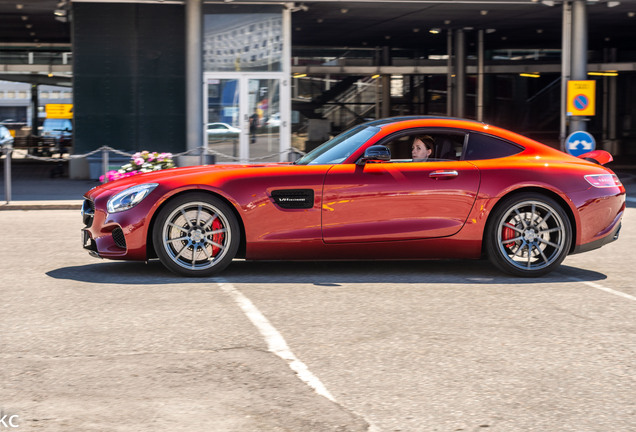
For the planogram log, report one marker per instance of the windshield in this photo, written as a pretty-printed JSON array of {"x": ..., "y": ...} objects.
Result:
[{"x": 339, "y": 148}]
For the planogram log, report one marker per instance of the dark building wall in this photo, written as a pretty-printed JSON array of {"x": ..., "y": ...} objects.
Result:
[{"x": 129, "y": 76}]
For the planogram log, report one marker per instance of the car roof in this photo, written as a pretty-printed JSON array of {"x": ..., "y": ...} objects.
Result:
[
  {"x": 388, "y": 120},
  {"x": 394, "y": 124}
]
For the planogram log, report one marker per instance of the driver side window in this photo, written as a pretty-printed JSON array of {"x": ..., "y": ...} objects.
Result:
[{"x": 443, "y": 146}]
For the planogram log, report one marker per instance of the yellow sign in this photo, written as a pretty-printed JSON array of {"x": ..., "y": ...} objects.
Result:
[
  {"x": 59, "y": 111},
  {"x": 581, "y": 98}
]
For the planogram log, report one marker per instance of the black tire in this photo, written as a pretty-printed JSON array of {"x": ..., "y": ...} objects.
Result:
[
  {"x": 196, "y": 234},
  {"x": 528, "y": 235}
]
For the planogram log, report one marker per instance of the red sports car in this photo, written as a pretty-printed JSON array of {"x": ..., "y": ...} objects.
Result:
[{"x": 482, "y": 191}]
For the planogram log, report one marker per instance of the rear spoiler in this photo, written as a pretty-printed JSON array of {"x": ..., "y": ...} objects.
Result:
[{"x": 600, "y": 157}]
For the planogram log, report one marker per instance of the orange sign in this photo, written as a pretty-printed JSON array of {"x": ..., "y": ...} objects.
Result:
[{"x": 59, "y": 111}]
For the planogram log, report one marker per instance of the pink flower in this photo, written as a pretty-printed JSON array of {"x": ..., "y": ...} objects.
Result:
[
  {"x": 138, "y": 161},
  {"x": 110, "y": 175}
]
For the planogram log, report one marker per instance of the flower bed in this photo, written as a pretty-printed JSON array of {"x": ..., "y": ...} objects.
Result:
[{"x": 141, "y": 162}]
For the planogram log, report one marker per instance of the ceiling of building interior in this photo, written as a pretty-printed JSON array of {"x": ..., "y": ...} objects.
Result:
[
  {"x": 32, "y": 21},
  {"x": 524, "y": 24},
  {"x": 509, "y": 24}
]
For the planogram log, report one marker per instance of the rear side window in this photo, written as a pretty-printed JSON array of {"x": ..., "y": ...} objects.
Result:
[{"x": 482, "y": 146}]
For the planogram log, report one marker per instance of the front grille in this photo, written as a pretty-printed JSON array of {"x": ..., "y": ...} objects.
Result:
[
  {"x": 88, "y": 212},
  {"x": 119, "y": 238}
]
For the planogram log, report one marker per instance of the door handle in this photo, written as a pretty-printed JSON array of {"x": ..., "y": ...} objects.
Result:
[{"x": 443, "y": 174}]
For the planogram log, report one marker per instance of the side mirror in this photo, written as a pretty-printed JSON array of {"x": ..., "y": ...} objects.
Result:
[{"x": 376, "y": 153}]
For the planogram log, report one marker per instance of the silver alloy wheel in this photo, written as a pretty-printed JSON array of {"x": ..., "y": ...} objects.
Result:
[
  {"x": 532, "y": 235},
  {"x": 196, "y": 235}
]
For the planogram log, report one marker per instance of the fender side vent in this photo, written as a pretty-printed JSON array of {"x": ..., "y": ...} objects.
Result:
[{"x": 294, "y": 198}]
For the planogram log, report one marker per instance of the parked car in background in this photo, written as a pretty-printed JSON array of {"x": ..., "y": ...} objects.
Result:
[
  {"x": 273, "y": 121},
  {"x": 5, "y": 136},
  {"x": 60, "y": 131},
  {"x": 221, "y": 130}
]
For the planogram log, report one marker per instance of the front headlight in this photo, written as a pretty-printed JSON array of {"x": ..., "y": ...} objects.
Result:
[{"x": 128, "y": 198}]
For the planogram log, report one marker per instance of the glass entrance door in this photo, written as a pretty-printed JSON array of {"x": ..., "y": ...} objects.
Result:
[
  {"x": 244, "y": 119},
  {"x": 264, "y": 120},
  {"x": 223, "y": 126}
]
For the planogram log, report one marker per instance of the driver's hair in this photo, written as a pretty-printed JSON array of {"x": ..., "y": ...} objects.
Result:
[{"x": 428, "y": 141}]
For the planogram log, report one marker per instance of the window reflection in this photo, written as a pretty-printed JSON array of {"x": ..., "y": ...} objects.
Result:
[{"x": 243, "y": 42}]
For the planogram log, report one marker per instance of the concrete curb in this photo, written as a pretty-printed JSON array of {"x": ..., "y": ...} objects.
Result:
[{"x": 41, "y": 205}]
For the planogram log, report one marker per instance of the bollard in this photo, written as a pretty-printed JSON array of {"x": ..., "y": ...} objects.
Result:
[
  {"x": 105, "y": 164},
  {"x": 204, "y": 154},
  {"x": 7, "y": 149}
]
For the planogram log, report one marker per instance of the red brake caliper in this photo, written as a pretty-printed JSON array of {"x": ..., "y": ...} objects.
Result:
[
  {"x": 508, "y": 234},
  {"x": 218, "y": 237}
]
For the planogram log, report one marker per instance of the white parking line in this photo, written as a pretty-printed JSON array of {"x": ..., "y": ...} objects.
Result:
[
  {"x": 603, "y": 288},
  {"x": 277, "y": 345},
  {"x": 630, "y": 199},
  {"x": 275, "y": 341}
]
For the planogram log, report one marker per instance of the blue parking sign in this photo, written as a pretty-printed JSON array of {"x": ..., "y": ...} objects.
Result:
[{"x": 579, "y": 142}]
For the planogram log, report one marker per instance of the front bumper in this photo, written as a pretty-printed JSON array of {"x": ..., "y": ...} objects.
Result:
[{"x": 117, "y": 236}]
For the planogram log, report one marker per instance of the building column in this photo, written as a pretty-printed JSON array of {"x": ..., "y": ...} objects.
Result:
[
  {"x": 480, "y": 75},
  {"x": 579, "y": 54},
  {"x": 35, "y": 103},
  {"x": 460, "y": 73},
  {"x": 566, "y": 59},
  {"x": 194, "y": 73},
  {"x": 610, "y": 142},
  {"x": 449, "y": 73},
  {"x": 386, "y": 83},
  {"x": 612, "y": 145}
]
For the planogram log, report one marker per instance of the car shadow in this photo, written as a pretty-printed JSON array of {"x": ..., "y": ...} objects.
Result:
[{"x": 321, "y": 273}]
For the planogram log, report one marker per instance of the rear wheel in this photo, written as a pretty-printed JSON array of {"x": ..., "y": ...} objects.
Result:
[
  {"x": 196, "y": 235},
  {"x": 528, "y": 235}
]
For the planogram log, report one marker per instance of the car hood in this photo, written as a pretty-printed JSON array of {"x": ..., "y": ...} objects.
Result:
[{"x": 180, "y": 175}]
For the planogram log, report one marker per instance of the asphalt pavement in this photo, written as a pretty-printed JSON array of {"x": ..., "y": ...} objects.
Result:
[
  {"x": 46, "y": 185},
  {"x": 97, "y": 345},
  {"x": 413, "y": 346}
]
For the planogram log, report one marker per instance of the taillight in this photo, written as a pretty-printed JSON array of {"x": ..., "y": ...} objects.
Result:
[{"x": 603, "y": 180}]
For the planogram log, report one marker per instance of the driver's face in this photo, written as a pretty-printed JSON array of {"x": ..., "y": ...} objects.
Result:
[{"x": 419, "y": 152}]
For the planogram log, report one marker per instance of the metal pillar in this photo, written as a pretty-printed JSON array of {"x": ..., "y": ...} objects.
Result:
[
  {"x": 105, "y": 165},
  {"x": 285, "y": 90},
  {"x": 386, "y": 83},
  {"x": 35, "y": 103},
  {"x": 579, "y": 53},
  {"x": 386, "y": 95},
  {"x": 566, "y": 59},
  {"x": 460, "y": 73},
  {"x": 194, "y": 75},
  {"x": 609, "y": 107},
  {"x": 612, "y": 116},
  {"x": 7, "y": 149},
  {"x": 449, "y": 73},
  {"x": 480, "y": 75}
]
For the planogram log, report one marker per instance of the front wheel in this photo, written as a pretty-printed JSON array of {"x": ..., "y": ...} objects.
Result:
[
  {"x": 528, "y": 235},
  {"x": 196, "y": 235}
]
